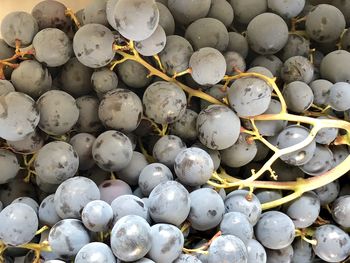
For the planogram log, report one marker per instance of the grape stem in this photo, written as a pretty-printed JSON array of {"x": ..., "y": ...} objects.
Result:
[
  {"x": 221, "y": 179},
  {"x": 70, "y": 13}
]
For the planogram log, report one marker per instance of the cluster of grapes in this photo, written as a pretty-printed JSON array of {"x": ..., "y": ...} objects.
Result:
[{"x": 135, "y": 131}]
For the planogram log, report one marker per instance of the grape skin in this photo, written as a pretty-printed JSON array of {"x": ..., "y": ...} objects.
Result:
[
  {"x": 208, "y": 66},
  {"x": 93, "y": 45},
  {"x": 212, "y": 129},
  {"x": 19, "y": 25},
  {"x": 136, "y": 19},
  {"x": 333, "y": 244}
]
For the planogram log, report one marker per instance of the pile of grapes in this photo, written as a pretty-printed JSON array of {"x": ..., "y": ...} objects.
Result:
[{"x": 181, "y": 131}]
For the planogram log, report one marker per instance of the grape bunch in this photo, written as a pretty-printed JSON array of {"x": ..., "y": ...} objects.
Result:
[{"x": 173, "y": 131}]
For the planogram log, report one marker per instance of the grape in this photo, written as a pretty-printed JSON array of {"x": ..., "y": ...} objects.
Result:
[
  {"x": 88, "y": 120},
  {"x": 214, "y": 154},
  {"x": 186, "y": 258},
  {"x": 110, "y": 7},
  {"x": 18, "y": 26},
  {"x": 271, "y": 128},
  {"x": 185, "y": 127},
  {"x": 271, "y": 62},
  {"x": 9, "y": 166},
  {"x": 92, "y": 45},
  {"x": 267, "y": 195},
  {"x": 95, "y": 252},
  {"x": 144, "y": 260},
  {"x": 212, "y": 129},
  {"x": 280, "y": 255},
  {"x": 222, "y": 11},
  {"x": 293, "y": 135},
  {"x": 246, "y": 10},
  {"x": 136, "y": 19},
  {"x": 14, "y": 189},
  {"x": 5, "y": 87},
  {"x": 82, "y": 144},
  {"x": 256, "y": 252},
  {"x": 234, "y": 62},
  {"x": 249, "y": 96},
  {"x": 333, "y": 244},
  {"x": 340, "y": 153},
  {"x": 207, "y": 32},
  {"x": 112, "y": 150},
  {"x": 275, "y": 230},
  {"x": 111, "y": 189},
  {"x": 304, "y": 210},
  {"x": 51, "y": 14},
  {"x": 240, "y": 153},
  {"x": 328, "y": 193},
  {"x": 237, "y": 42},
  {"x": 19, "y": 223},
  {"x": 75, "y": 78},
  {"x": 131, "y": 245},
  {"x": 324, "y": 23},
  {"x": 236, "y": 201},
  {"x": 334, "y": 66},
  {"x": 169, "y": 202},
  {"x": 5, "y": 50},
  {"x": 267, "y": 33},
  {"x": 52, "y": 47},
  {"x": 120, "y": 109},
  {"x": 166, "y": 19},
  {"x": 227, "y": 248},
  {"x": 73, "y": 194},
  {"x": 261, "y": 70},
  {"x": 32, "y": 78},
  {"x": 55, "y": 162},
  {"x": 321, "y": 161},
  {"x": 152, "y": 175},
  {"x": 302, "y": 252},
  {"x": 176, "y": 55},
  {"x": 186, "y": 12},
  {"x": 67, "y": 237},
  {"x": 164, "y": 102},
  {"x": 237, "y": 224},
  {"x": 95, "y": 12},
  {"x": 133, "y": 74},
  {"x": 125, "y": 205},
  {"x": 58, "y": 112},
  {"x": 130, "y": 174},
  {"x": 297, "y": 68},
  {"x": 27, "y": 201},
  {"x": 97, "y": 216},
  {"x": 47, "y": 213},
  {"x": 193, "y": 166},
  {"x": 340, "y": 211},
  {"x": 298, "y": 96},
  {"x": 286, "y": 172},
  {"x": 153, "y": 44},
  {"x": 104, "y": 80},
  {"x": 286, "y": 9},
  {"x": 208, "y": 66},
  {"x": 320, "y": 88},
  {"x": 207, "y": 209},
  {"x": 18, "y": 116},
  {"x": 295, "y": 46},
  {"x": 167, "y": 148},
  {"x": 167, "y": 243},
  {"x": 215, "y": 91},
  {"x": 262, "y": 151},
  {"x": 339, "y": 96},
  {"x": 29, "y": 144}
]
